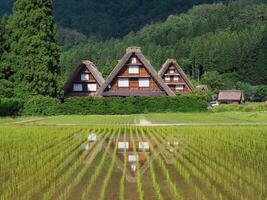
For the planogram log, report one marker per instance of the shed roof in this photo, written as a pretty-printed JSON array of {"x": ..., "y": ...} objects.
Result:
[
  {"x": 202, "y": 87},
  {"x": 231, "y": 95},
  {"x": 173, "y": 62},
  {"x": 137, "y": 52}
]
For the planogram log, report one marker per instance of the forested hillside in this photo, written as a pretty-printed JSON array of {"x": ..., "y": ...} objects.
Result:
[
  {"x": 223, "y": 45},
  {"x": 105, "y": 18},
  {"x": 216, "y": 38}
]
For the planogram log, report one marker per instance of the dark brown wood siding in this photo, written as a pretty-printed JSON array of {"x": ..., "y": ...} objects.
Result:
[{"x": 171, "y": 83}]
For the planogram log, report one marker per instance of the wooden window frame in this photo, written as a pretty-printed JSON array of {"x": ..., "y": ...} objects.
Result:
[
  {"x": 139, "y": 80},
  {"x": 123, "y": 86},
  {"x": 88, "y": 88},
  {"x": 77, "y": 84}
]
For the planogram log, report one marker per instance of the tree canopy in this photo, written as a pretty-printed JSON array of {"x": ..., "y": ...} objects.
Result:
[{"x": 33, "y": 54}]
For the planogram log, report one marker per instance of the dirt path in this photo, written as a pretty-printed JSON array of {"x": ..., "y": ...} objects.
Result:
[
  {"x": 144, "y": 121},
  {"x": 33, "y": 120}
]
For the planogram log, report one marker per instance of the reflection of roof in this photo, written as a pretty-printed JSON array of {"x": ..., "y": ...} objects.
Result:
[
  {"x": 123, "y": 145},
  {"x": 92, "y": 137},
  {"x": 132, "y": 158},
  {"x": 143, "y": 145},
  {"x": 231, "y": 95}
]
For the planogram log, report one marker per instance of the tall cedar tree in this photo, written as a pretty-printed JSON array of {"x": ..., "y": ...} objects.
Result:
[
  {"x": 6, "y": 86},
  {"x": 34, "y": 52}
]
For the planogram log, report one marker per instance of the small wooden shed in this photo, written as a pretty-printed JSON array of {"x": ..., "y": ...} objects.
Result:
[
  {"x": 231, "y": 96},
  {"x": 202, "y": 88}
]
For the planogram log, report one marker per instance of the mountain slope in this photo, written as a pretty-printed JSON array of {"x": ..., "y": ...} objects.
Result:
[
  {"x": 112, "y": 18},
  {"x": 208, "y": 37}
]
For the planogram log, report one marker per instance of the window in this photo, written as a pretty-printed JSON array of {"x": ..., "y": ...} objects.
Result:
[
  {"x": 133, "y": 70},
  {"x": 134, "y": 60},
  {"x": 167, "y": 78},
  {"x": 172, "y": 71},
  {"x": 143, "y": 82},
  {"x": 179, "y": 87},
  {"x": 176, "y": 78},
  {"x": 77, "y": 87},
  {"x": 84, "y": 77},
  {"x": 91, "y": 87},
  {"x": 123, "y": 82}
]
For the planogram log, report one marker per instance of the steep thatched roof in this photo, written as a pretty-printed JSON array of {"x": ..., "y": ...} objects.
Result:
[
  {"x": 231, "y": 95},
  {"x": 91, "y": 68},
  {"x": 174, "y": 63},
  {"x": 137, "y": 52}
]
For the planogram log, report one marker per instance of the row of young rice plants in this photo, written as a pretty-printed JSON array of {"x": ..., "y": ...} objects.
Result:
[
  {"x": 223, "y": 177},
  {"x": 48, "y": 179},
  {"x": 138, "y": 175},
  {"x": 97, "y": 171},
  {"x": 65, "y": 194},
  {"x": 11, "y": 143},
  {"x": 196, "y": 169},
  {"x": 111, "y": 167},
  {"x": 172, "y": 186},
  {"x": 153, "y": 175},
  {"x": 66, "y": 175},
  {"x": 26, "y": 146},
  {"x": 203, "y": 149},
  {"x": 247, "y": 177},
  {"x": 123, "y": 178},
  {"x": 180, "y": 168}
]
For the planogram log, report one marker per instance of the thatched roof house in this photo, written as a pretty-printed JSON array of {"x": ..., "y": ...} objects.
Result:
[
  {"x": 134, "y": 76},
  {"x": 85, "y": 80},
  {"x": 231, "y": 96},
  {"x": 174, "y": 76}
]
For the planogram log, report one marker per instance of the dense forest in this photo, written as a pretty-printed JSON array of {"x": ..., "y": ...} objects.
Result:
[
  {"x": 223, "y": 45},
  {"x": 105, "y": 18}
]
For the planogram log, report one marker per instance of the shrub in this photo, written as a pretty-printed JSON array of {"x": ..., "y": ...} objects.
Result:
[
  {"x": 133, "y": 105},
  {"x": 41, "y": 105},
  {"x": 247, "y": 107},
  {"x": 10, "y": 106}
]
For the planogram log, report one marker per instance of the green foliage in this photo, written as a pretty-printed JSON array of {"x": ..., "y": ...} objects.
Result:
[
  {"x": 41, "y": 105},
  {"x": 247, "y": 107},
  {"x": 34, "y": 53},
  {"x": 255, "y": 93},
  {"x": 6, "y": 88},
  {"x": 214, "y": 80},
  {"x": 214, "y": 37},
  {"x": 10, "y": 106}
]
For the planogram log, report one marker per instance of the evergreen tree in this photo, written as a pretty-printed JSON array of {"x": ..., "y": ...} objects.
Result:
[
  {"x": 261, "y": 60},
  {"x": 34, "y": 53}
]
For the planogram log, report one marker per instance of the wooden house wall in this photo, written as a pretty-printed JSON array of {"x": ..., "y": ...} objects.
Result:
[
  {"x": 78, "y": 80},
  {"x": 134, "y": 79},
  {"x": 171, "y": 82}
]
